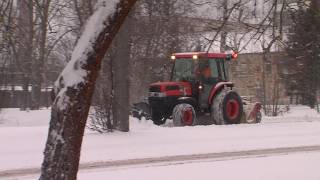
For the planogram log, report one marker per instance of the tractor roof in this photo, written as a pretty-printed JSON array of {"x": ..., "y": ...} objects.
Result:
[{"x": 204, "y": 55}]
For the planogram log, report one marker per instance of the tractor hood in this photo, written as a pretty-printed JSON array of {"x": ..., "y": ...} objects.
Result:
[{"x": 171, "y": 88}]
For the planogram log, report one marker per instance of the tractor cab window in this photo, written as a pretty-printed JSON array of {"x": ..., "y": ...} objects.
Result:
[
  {"x": 208, "y": 70},
  {"x": 183, "y": 70}
]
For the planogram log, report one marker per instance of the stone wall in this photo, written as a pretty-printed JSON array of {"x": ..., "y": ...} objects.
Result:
[{"x": 247, "y": 74}]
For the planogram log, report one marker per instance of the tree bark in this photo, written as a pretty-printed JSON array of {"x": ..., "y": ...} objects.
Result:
[
  {"x": 38, "y": 63},
  {"x": 121, "y": 79},
  {"x": 315, "y": 5},
  {"x": 264, "y": 79},
  {"x": 25, "y": 45},
  {"x": 224, "y": 33},
  {"x": 71, "y": 106}
]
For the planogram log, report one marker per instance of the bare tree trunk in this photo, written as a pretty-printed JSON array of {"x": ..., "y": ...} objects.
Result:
[
  {"x": 121, "y": 79},
  {"x": 264, "y": 91},
  {"x": 25, "y": 47},
  {"x": 38, "y": 63},
  {"x": 71, "y": 106},
  {"x": 317, "y": 101},
  {"x": 224, "y": 33},
  {"x": 276, "y": 92},
  {"x": 315, "y": 5}
]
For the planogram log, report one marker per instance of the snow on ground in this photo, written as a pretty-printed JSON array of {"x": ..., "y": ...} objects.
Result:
[
  {"x": 23, "y": 135},
  {"x": 297, "y": 114},
  {"x": 17, "y": 118},
  {"x": 293, "y": 167}
]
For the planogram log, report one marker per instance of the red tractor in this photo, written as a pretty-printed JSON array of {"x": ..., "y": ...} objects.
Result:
[{"x": 200, "y": 93}]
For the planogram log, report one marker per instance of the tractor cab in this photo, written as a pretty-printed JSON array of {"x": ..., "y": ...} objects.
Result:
[{"x": 203, "y": 71}]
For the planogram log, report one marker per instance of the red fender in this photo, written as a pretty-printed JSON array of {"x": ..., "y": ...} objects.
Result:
[{"x": 217, "y": 88}]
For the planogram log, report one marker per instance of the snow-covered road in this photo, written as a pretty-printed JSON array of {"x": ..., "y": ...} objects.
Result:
[
  {"x": 22, "y": 138},
  {"x": 170, "y": 160},
  {"x": 293, "y": 166}
]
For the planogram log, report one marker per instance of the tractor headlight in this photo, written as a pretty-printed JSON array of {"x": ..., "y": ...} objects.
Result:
[{"x": 200, "y": 87}]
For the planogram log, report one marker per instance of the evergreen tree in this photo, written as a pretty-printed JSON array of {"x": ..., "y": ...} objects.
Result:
[{"x": 304, "y": 49}]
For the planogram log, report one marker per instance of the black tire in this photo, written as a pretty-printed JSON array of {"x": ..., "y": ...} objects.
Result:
[
  {"x": 184, "y": 115},
  {"x": 157, "y": 118},
  {"x": 227, "y": 108},
  {"x": 258, "y": 117}
]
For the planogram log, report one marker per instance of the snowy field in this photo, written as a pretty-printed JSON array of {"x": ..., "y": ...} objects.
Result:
[{"x": 23, "y": 135}]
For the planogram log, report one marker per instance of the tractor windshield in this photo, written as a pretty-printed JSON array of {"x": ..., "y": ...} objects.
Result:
[
  {"x": 183, "y": 70},
  {"x": 213, "y": 70},
  {"x": 208, "y": 71}
]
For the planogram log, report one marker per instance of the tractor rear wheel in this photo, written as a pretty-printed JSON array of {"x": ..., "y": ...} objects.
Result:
[
  {"x": 184, "y": 115},
  {"x": 227, "y": 108}
]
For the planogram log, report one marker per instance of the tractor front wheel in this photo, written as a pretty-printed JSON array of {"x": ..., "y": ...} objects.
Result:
[
  {"x": 227, "y": 108},
  {"x": 184, "y": 115},
  {"x": 157, "y": 118}
]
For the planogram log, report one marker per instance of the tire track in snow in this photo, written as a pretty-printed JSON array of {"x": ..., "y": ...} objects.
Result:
[
  {"x": 167, "y": 160},
  {"x": 289, "y": 121}
]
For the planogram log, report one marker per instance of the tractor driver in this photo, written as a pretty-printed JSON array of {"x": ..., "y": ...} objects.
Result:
[{"x": 206, "y": 74}]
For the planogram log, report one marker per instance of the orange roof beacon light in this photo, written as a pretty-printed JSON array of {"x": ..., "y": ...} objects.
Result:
[
  {"x": 231, "y": 56},
  {"x": 234, "y": 55}
]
